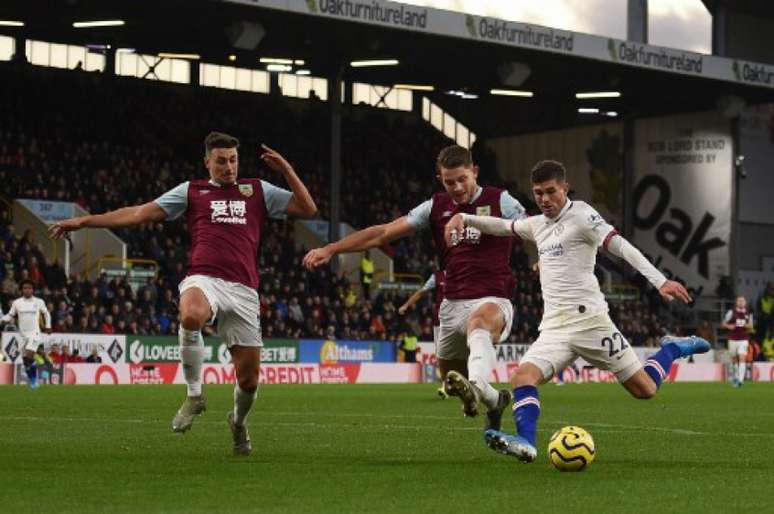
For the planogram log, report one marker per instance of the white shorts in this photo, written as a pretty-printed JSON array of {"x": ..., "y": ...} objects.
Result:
[
  {"x": 598, "y": 341},
  {"x": 738, "y": 347},
  {"x": 452, "y": 340},
  {"x": 235, "y": 306},
  {"x": 29, "y": 342}
]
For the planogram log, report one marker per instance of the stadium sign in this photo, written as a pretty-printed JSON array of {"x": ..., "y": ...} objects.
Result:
[
  {"x": 659, "y": 58},
  {"x": 525, "y": 35},
  {"x": 150, "y": 349},
  {"x": 49, "y": 212},
  {"x": 387, "y": 13},
  {"x": 336, "y": 352},
  {"x": 172, "y": 373},
  {"x": 752, "y": 73},
  {"x": 110, "y": 347},
  {"x": 519, "y": 34},
  {"x": 682, "y": 197}
]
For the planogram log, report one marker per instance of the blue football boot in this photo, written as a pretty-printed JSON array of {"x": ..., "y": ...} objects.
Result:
[
  {"x": 688, "y": 345},
  {"x": 513, "y": 445}
]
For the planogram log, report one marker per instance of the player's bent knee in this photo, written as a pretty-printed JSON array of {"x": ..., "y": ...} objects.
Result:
[
  {"x": 527, "y": 374},
  {"x": 192, "y": 320}
]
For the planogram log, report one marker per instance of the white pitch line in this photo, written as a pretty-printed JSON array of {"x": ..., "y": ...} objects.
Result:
[
  {"x": 256, "y": 419},
  {"x": 679, "y": 431}
]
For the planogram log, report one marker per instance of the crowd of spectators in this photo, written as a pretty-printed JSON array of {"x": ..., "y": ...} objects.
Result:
[{"x": 106, "y": 142}]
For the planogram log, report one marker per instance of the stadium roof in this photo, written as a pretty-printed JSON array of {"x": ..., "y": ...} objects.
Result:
[
  {"x": 754, "y": 7},
  {"x": 450, "y": 51}
]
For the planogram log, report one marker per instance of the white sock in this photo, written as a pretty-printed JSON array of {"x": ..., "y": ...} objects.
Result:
[
  {"x": 741, "y": 369},
  {"x": 243, "y": 401},
  {"x": 191, "y": 356},
  {"x": 481, "y": 362}
]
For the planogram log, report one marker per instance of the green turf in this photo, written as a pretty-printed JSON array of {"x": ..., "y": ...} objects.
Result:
[{"x": 694, "y": 448}]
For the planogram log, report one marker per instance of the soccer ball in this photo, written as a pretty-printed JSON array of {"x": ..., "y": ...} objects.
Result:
[{"x": 571, "y": 449}]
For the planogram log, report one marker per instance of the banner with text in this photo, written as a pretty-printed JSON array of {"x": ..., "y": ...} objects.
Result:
[
  {"x": 682, "y": 197},
  {"x": 172, "y": 373},
  {"x": 401, "y": 16},
  {"x": 167, "y": 349},
  {"x": 49, "y": 212},
  {"x": 110, "y": 348},
  {"x": 335, "y": 352}
]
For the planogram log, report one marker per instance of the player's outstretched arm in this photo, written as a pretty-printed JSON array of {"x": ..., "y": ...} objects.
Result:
[
  {"x": 486, "y": 224},
  {"x": 124, "y": 217},
  {"x": 669, "y": 289},
  {"x": 301, "y": 204},
  {"x": 412, "y": 300},
  {"x": 371, "y": 237}
]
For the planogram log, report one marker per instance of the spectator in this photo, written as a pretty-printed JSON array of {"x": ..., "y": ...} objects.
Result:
[
  {"x": 366, "y": 273},
  {"x": 766, "y": 310},
  {"x": 75, "y": 358},
  {"x": 94, "y": 356},
  {"x": 55, "y": 355},
  {"x": 44, "y": 364}
]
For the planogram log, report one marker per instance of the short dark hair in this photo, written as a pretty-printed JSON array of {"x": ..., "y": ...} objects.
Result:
[
  {"x": 25, "y": 282},
  {"x": 219, "y": 140},
  {"x": 454, "y": 156},
  {"x": 547, "y": 170}
]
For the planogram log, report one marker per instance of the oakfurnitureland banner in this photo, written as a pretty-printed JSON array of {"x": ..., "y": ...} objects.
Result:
[{"x": 526, "y": 35}]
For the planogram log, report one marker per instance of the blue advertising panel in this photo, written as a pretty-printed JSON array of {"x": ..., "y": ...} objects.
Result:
[{"x": 334, "y": 352}]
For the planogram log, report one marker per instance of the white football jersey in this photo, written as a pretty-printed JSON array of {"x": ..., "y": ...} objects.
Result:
[
  {"x": 28, "y": 312},
  {"x": 567, "y": 248}
]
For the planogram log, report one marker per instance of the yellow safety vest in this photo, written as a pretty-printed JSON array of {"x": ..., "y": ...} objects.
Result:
[
  {"x": 410, "y": 343},
  {"x": 767, "y": 304},
  {"x": 367, "y": 268}
]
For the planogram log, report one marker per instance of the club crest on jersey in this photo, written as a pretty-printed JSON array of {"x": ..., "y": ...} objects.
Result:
[
  {"x": 558, "y": 229},
  {"x": 246, "y": 189},
  {"x": 484, "y": 210}
]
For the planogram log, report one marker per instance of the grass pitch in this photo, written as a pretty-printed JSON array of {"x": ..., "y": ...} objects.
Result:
[{"x": 694, "y": 448}]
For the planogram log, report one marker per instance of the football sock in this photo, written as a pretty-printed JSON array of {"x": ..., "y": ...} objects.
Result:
[
  {"x": 191, "y": 356},
  {"x": 657, "y": 366},
  {"x": 481, "y": 362},
  {"x": 30, "y": 368},
  {"x": 740, "y": 371},
  {"x": 526, "y": 410},
  {"x": 243, "y": 401}
]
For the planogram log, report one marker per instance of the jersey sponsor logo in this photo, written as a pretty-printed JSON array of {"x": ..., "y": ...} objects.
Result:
[
  {"x": 594, "y": 218},
  {"x": 246, "y": 190},
  {"x": 471, "y": 235},
  {"x": 228, "y": 211},
  {"x": 552, "y": 250},
  {"x": 484, "y": 210}
]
